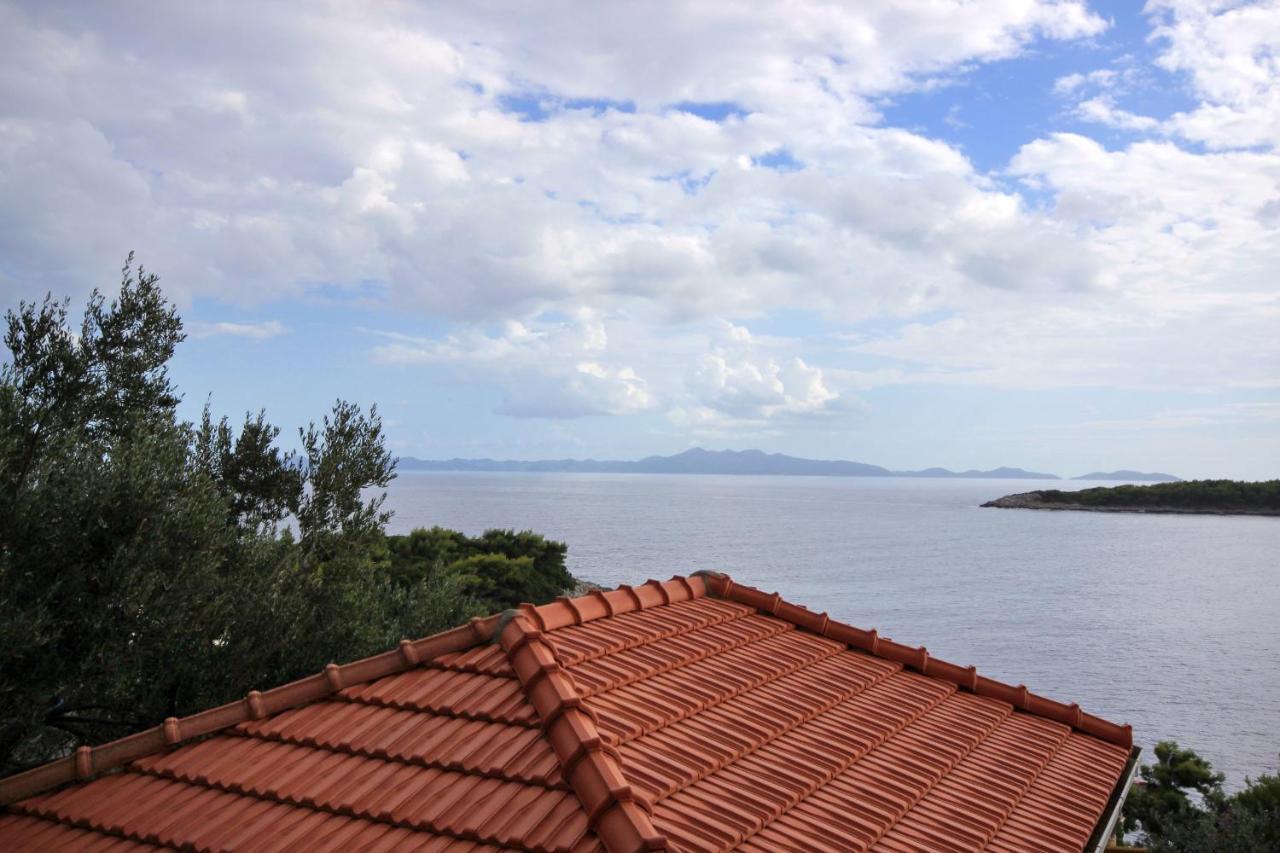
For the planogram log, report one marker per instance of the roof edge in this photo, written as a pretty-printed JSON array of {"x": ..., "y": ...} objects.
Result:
[
  {"x": 1099, "y": 841},
  {"x": 918, "y": 659},
  {"x": 88, "y": 762},
  {"x": 592, "y": 768}
]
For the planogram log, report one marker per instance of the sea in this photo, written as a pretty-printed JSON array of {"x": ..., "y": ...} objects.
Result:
[{"x": 1168, "y": 622}]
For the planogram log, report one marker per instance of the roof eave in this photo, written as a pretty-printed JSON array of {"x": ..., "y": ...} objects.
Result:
[
  {"x": 88, "y": 762},
  {"x": 1110, "y": 819}
]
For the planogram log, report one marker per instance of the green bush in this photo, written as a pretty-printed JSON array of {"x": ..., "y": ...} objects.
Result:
[
  {"x": 500, "y": 568},
  {"x": 1180, "y": 807}
]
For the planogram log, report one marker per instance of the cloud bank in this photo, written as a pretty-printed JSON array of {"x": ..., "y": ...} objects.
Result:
[{"x": 607, "y": 203}]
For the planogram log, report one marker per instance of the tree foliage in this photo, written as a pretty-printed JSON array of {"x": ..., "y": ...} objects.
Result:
[
  {"x": 151, "y": 567},
  {"x": 1180, "y": 807},
  {"x": 500, "y": 567},
  {"x": 1190, "y": 494}
]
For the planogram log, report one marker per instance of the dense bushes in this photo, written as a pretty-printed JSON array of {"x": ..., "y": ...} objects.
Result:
[
  {"x": 151, "y": 567},
  {"x": 500, "y": 568},
  {"x": 1211, "y": 494},
  {"x": 1179, "y": 807}
]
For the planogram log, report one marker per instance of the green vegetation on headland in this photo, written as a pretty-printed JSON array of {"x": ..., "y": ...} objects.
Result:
[
  {"x": 1178, "y": 806},
  {"x": 1191, "y": 496},
  {"x": 151, "y": 567}
]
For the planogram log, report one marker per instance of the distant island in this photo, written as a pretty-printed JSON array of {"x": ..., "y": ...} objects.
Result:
[
  {"x": 1134, "y": 476},
  {"x": 1213, "y": 497},
  {"x": 700, "y": 461}
]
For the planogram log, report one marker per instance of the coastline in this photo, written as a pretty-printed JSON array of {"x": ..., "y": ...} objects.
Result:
[{"x": 1031, "y": 500}]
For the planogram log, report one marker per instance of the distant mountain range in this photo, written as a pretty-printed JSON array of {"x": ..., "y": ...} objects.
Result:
[
  {"x": 700, "y": 461},
  {"x": 1136, "y": 476}
]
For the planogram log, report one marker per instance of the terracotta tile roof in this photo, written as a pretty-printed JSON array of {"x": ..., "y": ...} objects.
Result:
[{"x": 693, "y": 714}]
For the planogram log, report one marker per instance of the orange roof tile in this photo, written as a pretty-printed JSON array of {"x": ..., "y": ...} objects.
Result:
[{"x": 693, "y": 714}]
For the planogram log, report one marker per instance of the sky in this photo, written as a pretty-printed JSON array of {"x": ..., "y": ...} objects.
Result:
[{"x": 967, "y": 234}]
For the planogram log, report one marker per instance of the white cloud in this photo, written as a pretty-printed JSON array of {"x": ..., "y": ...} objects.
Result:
[
  {"x": 1110, "y": 345},
  {"x": 1230, "y": 53},
  {"x": 738, "y": 380},
  {"x": 716, "y": 373},
  {"x": 1178, "y": 232},
  {"x": 1185, "y": 294},
  {"x": 346, "y": 144},
  {"x": 1070, "y": 83},
  {"x": 1228, "y": 56},
  {"x": 550, "y": 369},
  {"x": 332, "y": 146},
  {"x": 254, "y": 331},
  {"x": 1102, "y": 109}
]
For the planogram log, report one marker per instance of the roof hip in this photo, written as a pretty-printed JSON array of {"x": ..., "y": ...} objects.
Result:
[{"x": 592, "y": 768}]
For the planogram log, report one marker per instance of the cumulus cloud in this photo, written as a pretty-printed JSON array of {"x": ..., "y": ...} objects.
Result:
[
  {"x": 736, "y": 379},
  {"x": 1227, "y": 55},
  {"x": 1230, "y": 53},
  {"x": 545, "y": 370},
  {"x": 713, "y": 373},
  {"x": 1184, "y": 241},
  {"x": 592, "y": 198},
  {"x": 387, "y": 143},
  {"x": 1103, "y": 110},
  {"x": 1186, "y": 294},
  {"x": 1178, "y": 231}
]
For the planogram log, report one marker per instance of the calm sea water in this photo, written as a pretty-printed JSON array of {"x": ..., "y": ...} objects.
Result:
[{"x": 1171, "y": 623}]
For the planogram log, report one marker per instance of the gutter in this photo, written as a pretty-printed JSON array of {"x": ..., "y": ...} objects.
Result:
[{"x": 1106, "y": 827}]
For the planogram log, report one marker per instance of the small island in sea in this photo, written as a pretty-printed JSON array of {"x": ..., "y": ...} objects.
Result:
[{"x": 1213, "y": 497}]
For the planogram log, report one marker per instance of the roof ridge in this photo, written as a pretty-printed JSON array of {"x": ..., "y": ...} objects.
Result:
[
  {"x": 599, "y": 603},
  {"x": 918, "y": 659},
  {"x": 592, "y": 768},
  {"x": 88, "y": 762}
]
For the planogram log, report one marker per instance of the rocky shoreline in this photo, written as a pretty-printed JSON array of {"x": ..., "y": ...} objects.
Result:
[{"x": 1035, "y": 500}]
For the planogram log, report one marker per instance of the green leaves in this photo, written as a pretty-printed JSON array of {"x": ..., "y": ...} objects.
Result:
[
  {"x": 500, "y": 568},
  {"x": 260, "y": 482},
  {"x": 1163, "y": 797},
  {"x": 1180, "y": 807},
  {"x": 341, "y": 459},
  {"x": 150, "y": 567}
]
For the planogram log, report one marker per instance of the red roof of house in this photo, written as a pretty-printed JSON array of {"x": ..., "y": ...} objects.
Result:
[{"x": 693, "y": 714}]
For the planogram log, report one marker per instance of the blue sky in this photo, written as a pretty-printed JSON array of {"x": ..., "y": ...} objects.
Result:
[{"x": 969, "y": 235}]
